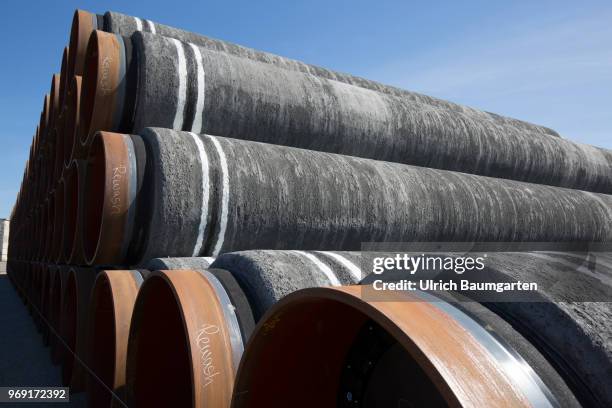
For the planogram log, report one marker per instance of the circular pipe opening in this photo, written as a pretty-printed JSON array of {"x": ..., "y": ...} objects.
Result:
[
  {"x": 73, "y": 98},
  {"x": 102, "y": 344},
  {"x": 69, "y": 327},
  {"x": 158, "y": 368},
  {"x": 71, "y": 204},
  {"x": 339, "y": 356},
  {"x": 95, "y": 183}
]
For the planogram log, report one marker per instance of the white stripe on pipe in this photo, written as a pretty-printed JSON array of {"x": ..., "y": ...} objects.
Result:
[
  {"x": 138, "y": 24},
  {"x": 331, "y": 276},
  {"x": 182, "y": 88},
  {"x": 204, "y": 206},
  {"x": 209, "y": 259},
  {"x": 224, "y": 197},
  {"x": 197, "y": 119},
  {"x": 352, "y": 268},
  {"x": 151, "y": 26}
]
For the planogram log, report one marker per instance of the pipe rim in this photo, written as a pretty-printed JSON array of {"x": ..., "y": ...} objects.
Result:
[
  {"x": 83, "y": 24},
  {"x": 110, "y": 312},
  {"x": 63, "y": 77},
  {"x": 102, "y": 78},
  {"x": 54, "y": 96},
  {"x": 73, "y": 98},
  {"x": 207, "y": 374},
  {"x": 110, "y": 185},
  {"x": 450, "y": 357}
]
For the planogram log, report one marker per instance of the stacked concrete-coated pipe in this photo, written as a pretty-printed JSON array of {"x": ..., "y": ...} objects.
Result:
[
  {"x": 169, "y": 193},
  {"x": 213, "y": 92},
  {"x": 110, "y": 313},
  {"x": 85, "y": 23}
]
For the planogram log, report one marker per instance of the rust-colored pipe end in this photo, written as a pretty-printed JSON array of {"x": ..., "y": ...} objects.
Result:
[
  {"x": 179, "y": 351},
  {"x": 44, "y": 119},
  {"x": 110, "y": 192},
  {"x": 335, "y": 347},
  {"x": 73, "y": 100},
  {"x": 103, "y": 85},
  {"x": 64, "y": 78},
  {"x": 83, "y": 24},
  {"x": 110, "y": 313},
  {"x": 54, "y": 97}
]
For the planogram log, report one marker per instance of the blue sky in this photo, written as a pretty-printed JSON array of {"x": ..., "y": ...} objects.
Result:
[{"x": 549, "y": 62}]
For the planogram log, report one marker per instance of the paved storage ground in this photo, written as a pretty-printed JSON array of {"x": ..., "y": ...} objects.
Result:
[{"x": 24, "y": 360}]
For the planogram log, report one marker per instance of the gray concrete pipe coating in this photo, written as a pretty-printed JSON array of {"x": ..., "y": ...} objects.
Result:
[
  {"x": 204, "y": 195},
  {"x": 127, "y": 25},
  {"x": 220, "y": 94},
  {"x": 195, "y": 263},
  {"x": 266, "y": 276}
]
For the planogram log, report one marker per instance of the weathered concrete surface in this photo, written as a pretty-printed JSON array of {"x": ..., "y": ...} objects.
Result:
[
  {"x": 266, "y": 276},
  {"x": 221, "y": 94},
  {"x": 198, "y": 264},
  {"x": 127, "y": 25},
  {"x": 242, "y": 195}
]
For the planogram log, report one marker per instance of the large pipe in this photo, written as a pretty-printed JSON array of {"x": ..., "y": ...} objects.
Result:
[
  {"x": 408, "y": 349},
  {"x": 168, "y": 193},
  {"x": 167, "y": 304},
  {"x": 110, "y": 312},
  {"x": 73, "y": 100},
  {"x": 64, "y": 78},
  {"x": 85, "y": 23},
  {"x": 74, "y": 309},
  {"x": 256, "y": 101}
]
